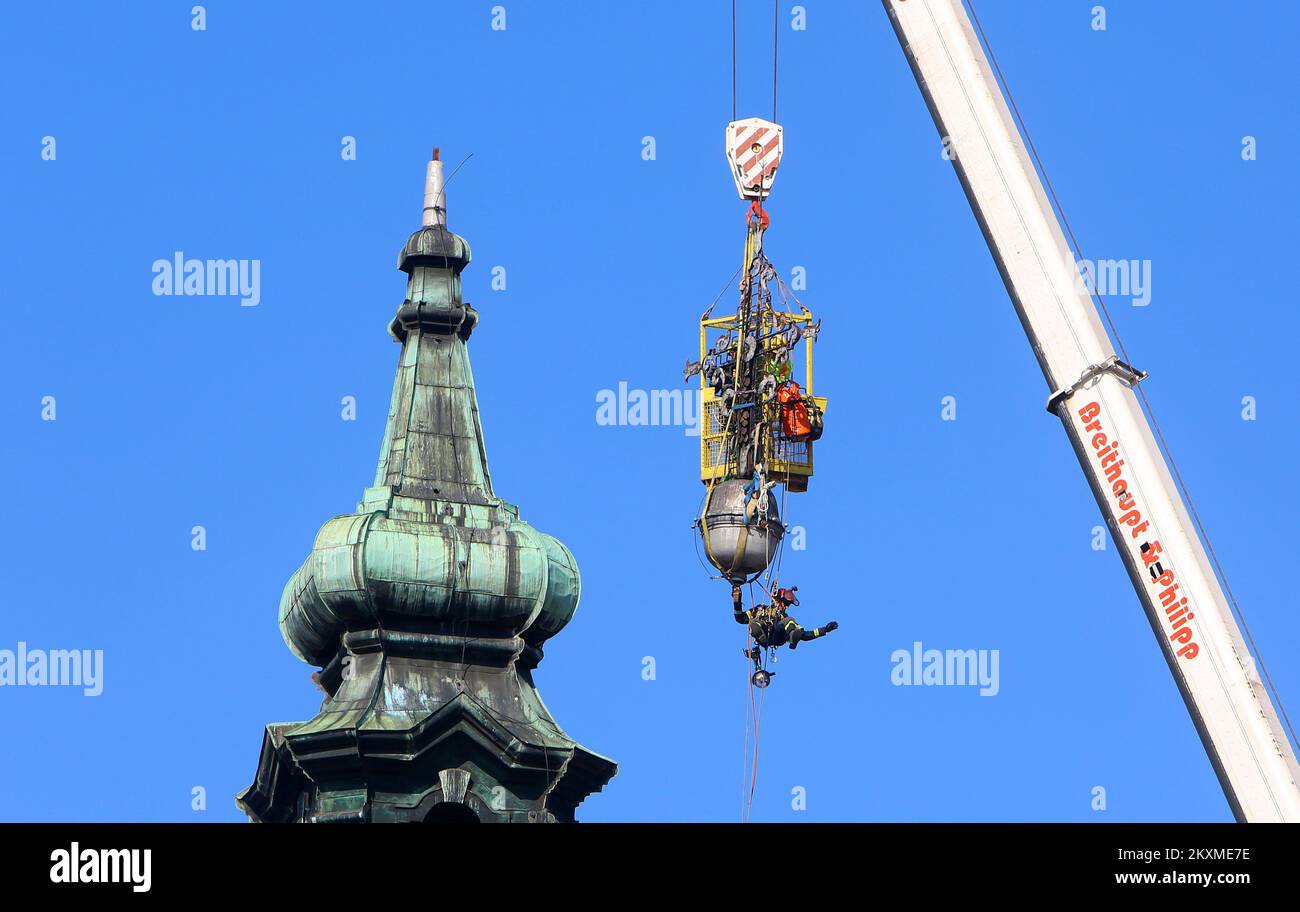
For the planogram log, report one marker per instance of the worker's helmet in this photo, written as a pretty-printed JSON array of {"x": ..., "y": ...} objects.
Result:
[{"x": 786, "y": 596}]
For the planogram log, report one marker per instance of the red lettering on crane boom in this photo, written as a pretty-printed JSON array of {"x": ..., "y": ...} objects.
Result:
[{"x": 1128, "y": 512}]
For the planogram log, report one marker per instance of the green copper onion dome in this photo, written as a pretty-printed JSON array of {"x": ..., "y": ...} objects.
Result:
[{"x": 431, "y": 546}]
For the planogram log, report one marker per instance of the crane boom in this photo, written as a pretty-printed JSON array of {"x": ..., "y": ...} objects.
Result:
[{"x": 1092, "y": 394}]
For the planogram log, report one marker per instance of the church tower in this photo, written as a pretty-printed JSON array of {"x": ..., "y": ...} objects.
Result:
[{"x": 427, "y": 608}]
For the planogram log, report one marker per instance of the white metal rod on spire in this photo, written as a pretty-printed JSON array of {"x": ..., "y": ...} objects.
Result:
[{"x": 435, "y": 193}]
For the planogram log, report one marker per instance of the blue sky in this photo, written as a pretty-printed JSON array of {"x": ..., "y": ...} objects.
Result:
[{"x": 974, "y": 534}]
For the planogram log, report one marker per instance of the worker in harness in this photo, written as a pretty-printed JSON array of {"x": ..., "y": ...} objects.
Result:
[{"x": 770, "y": 626}]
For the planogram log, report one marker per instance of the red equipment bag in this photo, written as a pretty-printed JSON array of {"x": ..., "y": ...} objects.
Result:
[{"x": 795, "y": 423}]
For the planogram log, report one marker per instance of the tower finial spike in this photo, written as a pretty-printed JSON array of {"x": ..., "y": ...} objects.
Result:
[{"x": 435, "y": 198}]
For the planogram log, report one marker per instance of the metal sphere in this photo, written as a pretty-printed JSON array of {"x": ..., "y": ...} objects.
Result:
[{"x": 739, "y": 546}]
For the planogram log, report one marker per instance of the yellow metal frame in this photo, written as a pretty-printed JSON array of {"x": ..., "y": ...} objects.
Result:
[{"x": 789, "y": 462}]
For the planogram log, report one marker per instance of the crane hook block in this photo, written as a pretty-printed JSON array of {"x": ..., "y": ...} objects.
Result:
[{"x": 754, "y": 149}]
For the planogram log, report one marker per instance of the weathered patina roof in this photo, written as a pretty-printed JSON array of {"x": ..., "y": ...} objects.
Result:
[
  {"x": 434, "y": 245},
  {"x": 427, "y": 608}
]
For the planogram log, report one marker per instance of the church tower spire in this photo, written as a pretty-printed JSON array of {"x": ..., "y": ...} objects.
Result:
[{"x": 427, "y": 609}]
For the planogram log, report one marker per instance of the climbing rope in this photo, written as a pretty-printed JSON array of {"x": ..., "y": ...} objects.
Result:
[
  {"x": 757, "y": 712},
  {"x": 754, "y": 723}
]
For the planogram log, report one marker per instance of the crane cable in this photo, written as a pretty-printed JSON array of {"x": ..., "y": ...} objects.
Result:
[
  {"x": 776, "y": 31},
  {"x": 776, "y": 14},
  {"x": 1142, "y": 396},
  {"x": 733, "y": 59}
]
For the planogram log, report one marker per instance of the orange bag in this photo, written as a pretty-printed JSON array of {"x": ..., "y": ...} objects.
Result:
[{"x": 794, "y": 413}]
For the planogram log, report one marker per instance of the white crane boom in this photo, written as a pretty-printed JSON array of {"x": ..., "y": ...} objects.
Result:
[{"x": 1092, "y": 393}]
